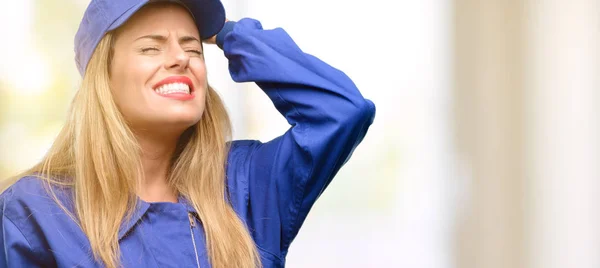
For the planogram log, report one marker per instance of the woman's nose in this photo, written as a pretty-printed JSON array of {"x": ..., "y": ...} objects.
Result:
[{"x": 176, "y": 58}]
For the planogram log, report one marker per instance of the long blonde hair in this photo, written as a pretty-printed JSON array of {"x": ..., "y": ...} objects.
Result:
[{"x": 97, "y": 155}]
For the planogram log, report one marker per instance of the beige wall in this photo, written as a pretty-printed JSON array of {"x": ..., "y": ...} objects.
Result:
[
  {"x": 527, "y": 121},
  {"x": 488, "y": 90}
]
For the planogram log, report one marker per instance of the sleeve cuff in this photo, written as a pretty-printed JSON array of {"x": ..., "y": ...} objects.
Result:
[{"x": 228, "y": 27}]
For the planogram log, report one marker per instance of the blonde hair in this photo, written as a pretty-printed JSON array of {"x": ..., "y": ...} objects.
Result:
[{"x": 97, "y": 155}]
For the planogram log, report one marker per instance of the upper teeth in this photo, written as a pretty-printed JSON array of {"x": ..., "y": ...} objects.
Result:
[{"x": 173, "y": 88}]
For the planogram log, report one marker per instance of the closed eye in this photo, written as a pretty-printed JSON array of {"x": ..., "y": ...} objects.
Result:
[
  {"x": 148, "y": 49},
  {"x": 197, "y": 52}
]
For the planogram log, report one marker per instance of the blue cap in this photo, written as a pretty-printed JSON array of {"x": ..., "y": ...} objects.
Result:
[{"x": 102, "y": 16}]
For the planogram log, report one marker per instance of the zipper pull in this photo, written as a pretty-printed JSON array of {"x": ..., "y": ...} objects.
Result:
[{"x": 192, "y": 221}]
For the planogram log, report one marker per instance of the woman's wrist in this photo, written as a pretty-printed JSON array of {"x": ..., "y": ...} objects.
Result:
[
  {"x": 219, "y": 38},
  {"x": 227, "y": 27}
]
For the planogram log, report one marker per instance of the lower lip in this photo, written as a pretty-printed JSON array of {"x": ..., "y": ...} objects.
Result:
[{"x": 177, "y": 96}]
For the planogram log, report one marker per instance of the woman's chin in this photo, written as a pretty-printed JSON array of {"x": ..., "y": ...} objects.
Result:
[
  {"x": 182, "y": 122},
  {"x": 174, "y": 124},
  {"x": 181, "y": 116}
]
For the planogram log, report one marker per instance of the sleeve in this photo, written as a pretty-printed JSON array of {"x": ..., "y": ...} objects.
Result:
[
  {"x": 15, "y": 249},
  {"x": 328, "y": 118}
]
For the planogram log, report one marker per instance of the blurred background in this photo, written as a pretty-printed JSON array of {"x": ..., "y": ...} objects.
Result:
[{"x": 485, "y": 151}]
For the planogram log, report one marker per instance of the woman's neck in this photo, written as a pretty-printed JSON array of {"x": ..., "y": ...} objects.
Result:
[{"x": 157, "y": 152}]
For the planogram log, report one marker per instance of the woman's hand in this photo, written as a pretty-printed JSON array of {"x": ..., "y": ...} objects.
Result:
[{"x": 213, "y": 39}]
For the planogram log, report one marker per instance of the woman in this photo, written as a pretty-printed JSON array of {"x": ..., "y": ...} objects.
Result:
[{"x": 142, "y": 174}]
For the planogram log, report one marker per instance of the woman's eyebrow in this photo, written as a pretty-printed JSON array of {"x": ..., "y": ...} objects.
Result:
[
  {"x": 188, "y": 38},
  {"x": 155, "y": 37},
  {"x": 162, "y": 38}
]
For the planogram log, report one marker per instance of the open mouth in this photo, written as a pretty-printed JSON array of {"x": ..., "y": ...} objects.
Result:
[
  {"x": 173, "y": 88},
  {"x": 176, "y": 87}
]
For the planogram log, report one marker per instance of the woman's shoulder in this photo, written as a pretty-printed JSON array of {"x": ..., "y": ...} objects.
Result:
[
  {"x": 26, "y": 189},
  {"x": 237, "y": 146},
  {"x": 30, "y": 216},
  {"x": 240, "y": 151},
  {"x": 30, "y": 195}
]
